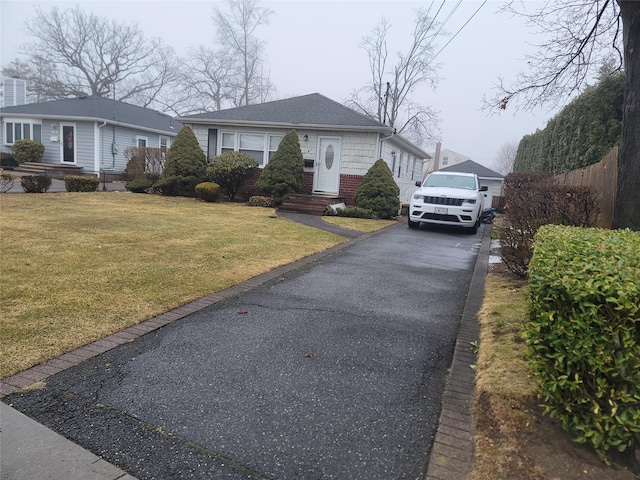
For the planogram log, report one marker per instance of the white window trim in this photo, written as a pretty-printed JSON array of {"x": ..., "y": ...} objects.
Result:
[
  {"x": 168, "y": 139},
  {"x": 22, "y": 122},
  {"x": 266, "y": 144},
  {"x": 141, "y": 137}
]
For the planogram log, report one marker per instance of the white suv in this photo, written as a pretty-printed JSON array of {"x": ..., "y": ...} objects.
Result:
[{"x": 448, "y": 198}]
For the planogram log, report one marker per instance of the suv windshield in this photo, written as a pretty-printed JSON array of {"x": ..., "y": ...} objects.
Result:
[{"x": 452, "y": 181}]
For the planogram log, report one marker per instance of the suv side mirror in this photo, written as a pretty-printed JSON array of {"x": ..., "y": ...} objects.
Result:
[
  {"x": 418, "y": 183},
  {"x": 484, "y": 188}
]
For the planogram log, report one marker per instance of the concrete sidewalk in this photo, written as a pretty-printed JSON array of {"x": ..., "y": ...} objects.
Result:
[{"x": 31, "y": 451}]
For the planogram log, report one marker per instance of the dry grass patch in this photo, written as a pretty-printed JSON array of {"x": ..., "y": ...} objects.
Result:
[
  {"x": 79, "y": 266},
  {"x": 359, "y": 224}
]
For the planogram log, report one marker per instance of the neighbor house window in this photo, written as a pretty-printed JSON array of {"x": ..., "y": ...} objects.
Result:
[
  {"x": 15, "y": 131},
  {"x": 445, "y": 160},
  {"x": 141, "y": 141},
  {"x": 164, "y": 144}
]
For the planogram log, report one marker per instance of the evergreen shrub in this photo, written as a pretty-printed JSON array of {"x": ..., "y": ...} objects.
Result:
[
  {"x": 35, "y": 183},
  {"x": 79, "y": 183},
  {"x": 139, "y": 186},
  {"x": 208, "y": 191},
  {"x": 229, "y": 170},
  {"x": 583, "y": 332},
  {"x": 285, "y": 171},
  {"x": 7, "y": 160},
  {"x": 352, "y": 212},
  {"x": 378, "y": 191},
  {"x": 27, "y": 151},
  {"x": 185, "y": 158},
  {"x": 177, "y": 186},
  {"x": 260, "y": 201}
]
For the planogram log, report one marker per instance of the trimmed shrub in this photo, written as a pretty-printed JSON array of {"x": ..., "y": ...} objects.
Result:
[
  {"x": 260, "y": 201},
  {"x": 378, "y": 191},
  {"x": 285, "y": 171},
  {"x": 229, "y": 171},
  {"x": 185, "y": 158},
  {"x": 35, "y": 183},
  {"x": 208, "y": 191},
  {"x": 139, "y": 186},
  {"x": 27, "y": 151},
  {"x": 7, "y": 160},
  {"x": 79, "y": 183},
  {"x": 352, "y": 212},
  {"x": 176, "y": 186},
  {"x": 6, "y": 181},
  {"x": 583, "y": 332}
]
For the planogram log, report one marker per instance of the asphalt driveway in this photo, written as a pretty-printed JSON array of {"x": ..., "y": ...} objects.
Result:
[{"x": 333, "y": 371}]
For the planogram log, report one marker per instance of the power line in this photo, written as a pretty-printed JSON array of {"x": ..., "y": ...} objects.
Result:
[{"x": 459, "y": 30}]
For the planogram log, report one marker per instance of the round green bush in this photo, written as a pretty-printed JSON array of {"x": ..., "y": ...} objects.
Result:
[
  {"x": 229, "y": 171},
  {"x": 208, "y": 191},
  {"x": 139, "y": 186},
  {"x": 379, "y": 192},
  {"x": 80, "y": 183},
  {"x": 27, "y": 151}
]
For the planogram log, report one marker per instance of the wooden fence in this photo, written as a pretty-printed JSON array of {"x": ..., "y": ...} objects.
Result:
[{"x": 603, "y": 178}]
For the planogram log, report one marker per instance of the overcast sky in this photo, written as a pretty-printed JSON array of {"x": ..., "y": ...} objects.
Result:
[{"x": 313, "y": 46}]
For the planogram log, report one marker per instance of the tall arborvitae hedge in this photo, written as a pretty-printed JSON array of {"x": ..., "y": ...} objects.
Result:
[
  {"x": 580, "y": 135},
  {"x": 285, "y": 171}
]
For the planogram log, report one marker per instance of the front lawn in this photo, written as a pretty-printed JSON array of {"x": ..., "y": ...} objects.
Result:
[{"x": 79, "y": 266}]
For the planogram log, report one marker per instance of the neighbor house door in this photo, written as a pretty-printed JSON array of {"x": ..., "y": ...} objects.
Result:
[
  {"x": 68, "y": 140},
  {"x": 327, "y": 176}
]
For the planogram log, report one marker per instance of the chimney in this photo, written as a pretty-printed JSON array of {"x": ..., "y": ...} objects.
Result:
[{"x": 436, "y": 159}]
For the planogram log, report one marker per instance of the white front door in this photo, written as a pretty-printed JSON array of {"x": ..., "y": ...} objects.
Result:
[{"x": 327, "y": 177}]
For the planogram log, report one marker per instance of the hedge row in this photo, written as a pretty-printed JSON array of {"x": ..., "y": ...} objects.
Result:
[{"x": 583, "y": 332}]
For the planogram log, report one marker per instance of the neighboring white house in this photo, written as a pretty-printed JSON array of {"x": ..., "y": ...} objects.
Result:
[
  {"x": 89, "y": 132},
  {"x": 338, "y": 144},
  {"x": 493, "y": 180},
  {"x": 442, "y": 159}
]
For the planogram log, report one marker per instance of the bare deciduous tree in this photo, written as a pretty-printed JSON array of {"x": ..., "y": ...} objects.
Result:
[
  {"x": 76, "y": 53},
  {"x": 505, "y": 157},
  {"x": 236, "y": 30},
  {"x": 387, "y": 97},
  {"x": 583, "y": 36}
]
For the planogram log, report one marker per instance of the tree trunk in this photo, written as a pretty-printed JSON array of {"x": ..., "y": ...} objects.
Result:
[{"x": 627, "y": 206}]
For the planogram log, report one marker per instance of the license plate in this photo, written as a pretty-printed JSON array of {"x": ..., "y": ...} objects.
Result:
[{"x": 441, "y": 211}]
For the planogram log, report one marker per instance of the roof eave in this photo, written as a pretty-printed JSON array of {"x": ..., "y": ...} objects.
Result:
[{"x": 309, "y": 126}]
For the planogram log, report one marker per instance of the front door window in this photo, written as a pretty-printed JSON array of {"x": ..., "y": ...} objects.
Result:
[{"x": 68, "y": 144}]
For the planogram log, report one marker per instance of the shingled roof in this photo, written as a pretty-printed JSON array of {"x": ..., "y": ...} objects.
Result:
[
  {"x": 313, "y": 110},
  {"x": 95, "y": 108},
  {"x": 470, "y": 166}
]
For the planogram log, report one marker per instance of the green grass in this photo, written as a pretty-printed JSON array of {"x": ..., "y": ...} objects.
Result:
[{"x": 79, "y": 266}]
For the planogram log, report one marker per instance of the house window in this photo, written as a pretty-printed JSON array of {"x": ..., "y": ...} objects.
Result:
[
  {"x": 259, "y": 146},
  {"x": 274, "y": 143},
  {"x": 228, "y": 142},
  {"x": 445, "y": 161},
  {"x": 141, "y": 141},
  {"x": 15, "y": 131},
  {"x": 164, "y": 144},
  {"x": 252, "y": 145}
]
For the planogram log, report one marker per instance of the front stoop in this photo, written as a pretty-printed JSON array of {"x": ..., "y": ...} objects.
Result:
[{"x": 308, "y": 204}]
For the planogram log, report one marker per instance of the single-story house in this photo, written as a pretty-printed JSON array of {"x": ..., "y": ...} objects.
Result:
[
  {"x": 493, "y": 180},
  {"x": 89, "y": 132},
  {"x": 338, "y": 144}
]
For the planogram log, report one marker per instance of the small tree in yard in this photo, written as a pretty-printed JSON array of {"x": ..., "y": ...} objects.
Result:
[
  {"x": 185, "y": 158},
  {"x": 27, "y": 151},
  {"x": 229, "y": 171},
  {"x": 379, "y": 192},
  {"x": 285, "y": 171}
]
